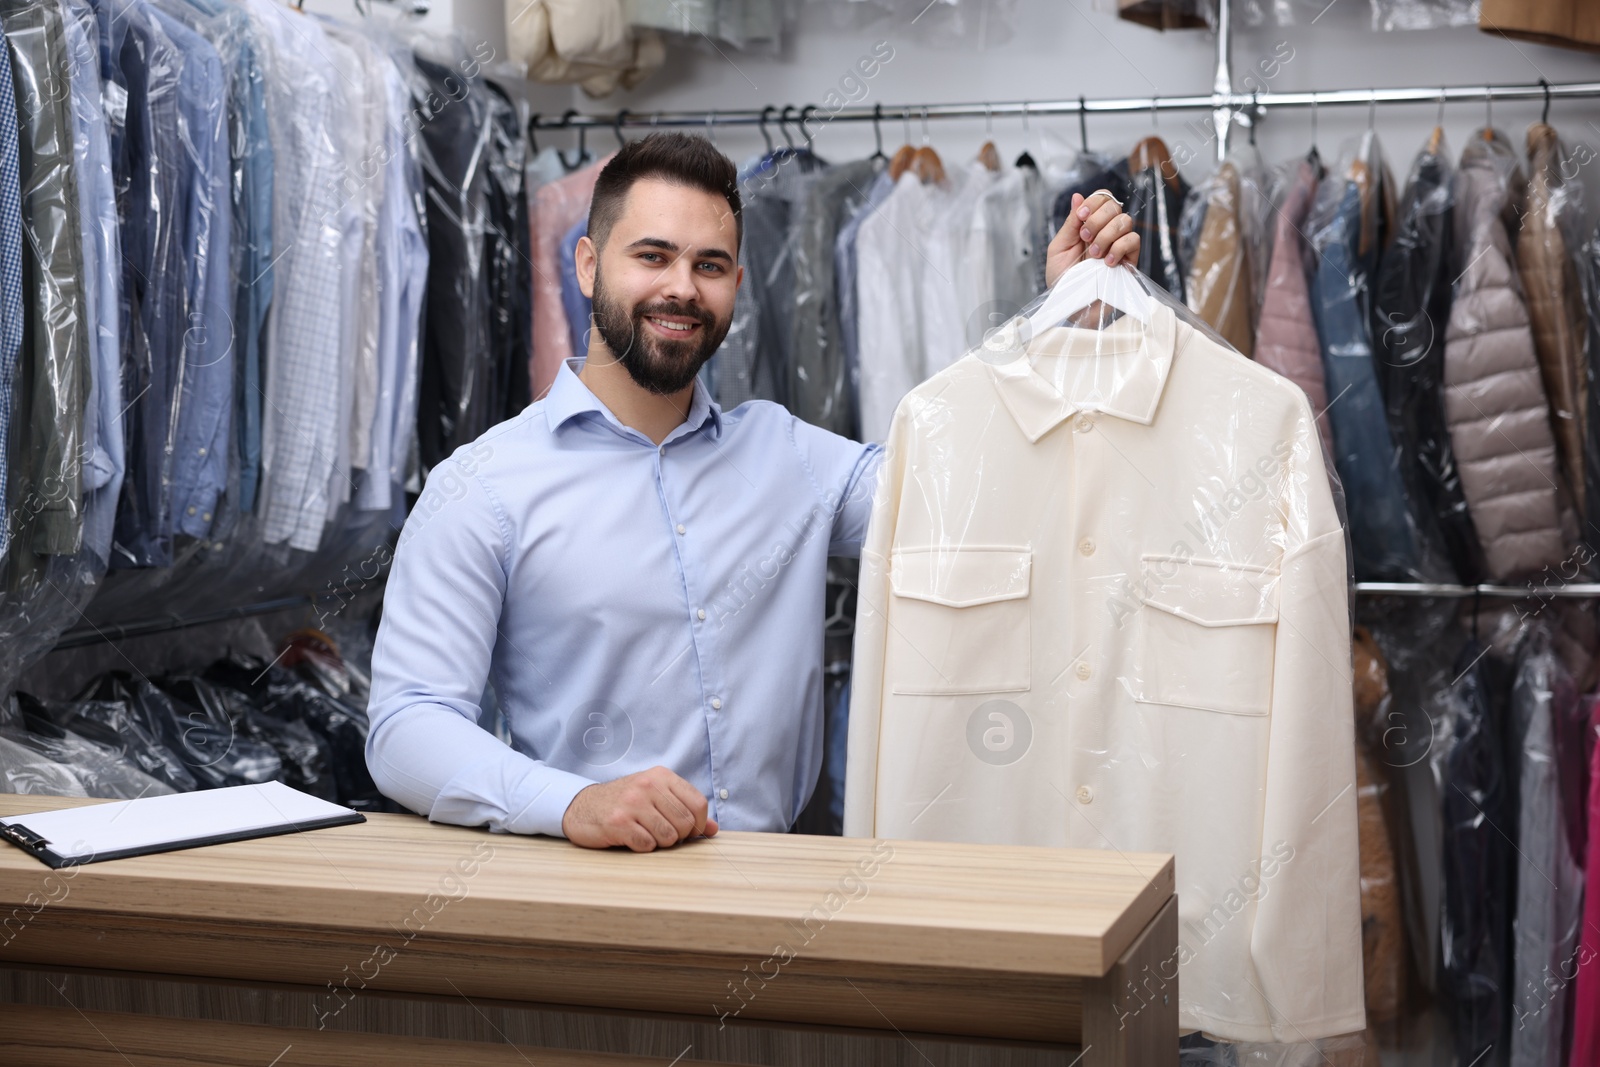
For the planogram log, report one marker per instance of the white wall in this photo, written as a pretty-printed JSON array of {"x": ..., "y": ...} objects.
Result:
[{"x": 1067, "y": 48}]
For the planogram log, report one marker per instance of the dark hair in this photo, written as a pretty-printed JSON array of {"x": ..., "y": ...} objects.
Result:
[{"x": 679, "y": 158}]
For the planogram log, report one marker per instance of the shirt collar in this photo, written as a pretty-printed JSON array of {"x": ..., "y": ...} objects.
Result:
[
  {"x": 569, "y": 397},
  {"x": 1126, "y": 380}
]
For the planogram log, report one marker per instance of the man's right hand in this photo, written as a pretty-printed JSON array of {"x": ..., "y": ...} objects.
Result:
[{"x": 644, "y": 811}]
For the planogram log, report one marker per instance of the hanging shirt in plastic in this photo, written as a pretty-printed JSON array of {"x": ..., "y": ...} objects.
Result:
[
  {"x": 11, "y": 313},
  {"x": 755, "y": 360},
  {"x": 1410, "y": 305},
  {"x": 1344, "y": 231},
  {"x": 845, "y": 288},
  {"x": 230, "y": 31},
  {"x": 506, "y": 252},
  {"x": 1586, "y": 1000},
  {"x": 1104, "y": 576},
  {"x": 204, "y": 425},
  {"x": 1546, "y": 260},
  {"x": 954, "y": 262},
  {"x": 1286, "y": 340},
  {"x": 1494, "y": 396},
  {"x": 104, "y": 461},
  {"x": 998, "y": 273},
  {"x": 556, "y": 207},
  {"x": 1549, "y": 897},
  {"x": 402, "y": 273},
  {"x": 1475, "y": 933},
  {"x": 820, "y": 389},
  {"x": 53, "y": 373}
]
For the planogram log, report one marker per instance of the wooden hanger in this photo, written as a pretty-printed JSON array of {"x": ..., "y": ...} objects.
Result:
[
  {"x": 927, "y": 165},
  {"x": 1361, "y": 175},
  {"x": 989, "y": 156},
  {"x": 901, "y": 161},
  {"x": 1152, "y": 152}
]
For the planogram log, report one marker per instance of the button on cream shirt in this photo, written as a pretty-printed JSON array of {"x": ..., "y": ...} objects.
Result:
[{"x": 1103, "y": 605}]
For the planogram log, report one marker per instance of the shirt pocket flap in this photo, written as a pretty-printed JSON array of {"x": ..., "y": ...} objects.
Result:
[
  {"x": 961, "y": 576},
  {"x": 1210, "y": 592}
]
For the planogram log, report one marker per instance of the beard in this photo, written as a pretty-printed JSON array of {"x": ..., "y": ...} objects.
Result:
[{"x": 654, "y": 363}]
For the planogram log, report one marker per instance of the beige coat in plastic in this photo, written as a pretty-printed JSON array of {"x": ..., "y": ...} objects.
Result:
[
  {"x": 1493, "y": 393},
  {"x": 1220, "y": 280},
  {"x": 1555, "y": 301},
  {"x": 1103, "y": 605}
]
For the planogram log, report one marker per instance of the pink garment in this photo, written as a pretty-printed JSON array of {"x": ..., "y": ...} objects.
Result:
[
  {"x": 556, "y": 207},
  {"x": 1586, "y": 1003}
]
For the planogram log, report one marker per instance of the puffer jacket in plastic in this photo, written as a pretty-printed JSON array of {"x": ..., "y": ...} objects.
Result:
[{"x": 1494, "y": 395}]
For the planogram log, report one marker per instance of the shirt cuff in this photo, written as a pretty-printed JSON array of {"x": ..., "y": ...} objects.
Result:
[{"x": 528, "y": 799}]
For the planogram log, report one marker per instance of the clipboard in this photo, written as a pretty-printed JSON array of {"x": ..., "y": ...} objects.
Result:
[{"x": 70, "y": 837}]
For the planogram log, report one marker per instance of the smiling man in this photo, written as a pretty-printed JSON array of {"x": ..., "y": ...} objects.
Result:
[{"x": 639, "y": 574}]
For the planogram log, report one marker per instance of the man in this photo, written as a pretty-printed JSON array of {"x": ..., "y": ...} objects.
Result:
[{"x": 639, "y": 573}]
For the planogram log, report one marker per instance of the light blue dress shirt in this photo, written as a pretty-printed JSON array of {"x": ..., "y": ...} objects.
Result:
[{"x": 631, "y": 605}]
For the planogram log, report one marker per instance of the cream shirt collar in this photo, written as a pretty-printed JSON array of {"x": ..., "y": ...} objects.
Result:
[{"x": 1120, "y": 370}]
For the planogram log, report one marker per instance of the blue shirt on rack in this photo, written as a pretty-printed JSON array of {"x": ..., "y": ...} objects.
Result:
[{"x": 632, "y": 605}]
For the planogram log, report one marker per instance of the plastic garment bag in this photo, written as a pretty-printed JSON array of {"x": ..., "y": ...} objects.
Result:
[
  {"x": 1089, "y": 537},
  {"x": 22, "y": 770},
  {"x": 115, "y": 724},
  {"x": 507, "y": 253},
  {"x": 1410, "y": 305},
  {"x": 1383, "y": 935},
  {"x": 101, "y": 770},
  {"x": 1346, "y": 230},
  {"x": 1220, "y": 272},
  {"x": 1495, "y": 399},
  {"x": 1549, "y": 881},
  {"x": 1589, "y": 278},
  {"x": 305, "y": 757}
]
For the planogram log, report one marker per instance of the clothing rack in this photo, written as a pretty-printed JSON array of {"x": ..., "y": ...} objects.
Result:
[
  {"x": 94, "y": 635},
  {"x": 1575, "y": 590}
]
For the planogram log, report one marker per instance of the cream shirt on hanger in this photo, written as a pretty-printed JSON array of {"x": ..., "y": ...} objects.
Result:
[{"x": 1103, "y": 604}]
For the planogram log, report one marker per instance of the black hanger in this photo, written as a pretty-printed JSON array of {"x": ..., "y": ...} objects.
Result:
[
  {"x": 1026, "y": 159},
  {"x": 533, "y": 140},
  {"x": 1083, "y": 124},
  {"x": 877, "y": 132},
  {"x": 1544, "y": 116},
  {"x": 616, "y": 126},
  {"x": 583, "y": 149},
  {"x": 766, "y": 135},
  {"x": 805, "y": 113},
  {"x": 783, "y": 124},
  {"x": 1254, "y": 114}
]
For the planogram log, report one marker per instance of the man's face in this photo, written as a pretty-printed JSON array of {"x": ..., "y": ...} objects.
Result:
[{"x": 663, "y": 286}]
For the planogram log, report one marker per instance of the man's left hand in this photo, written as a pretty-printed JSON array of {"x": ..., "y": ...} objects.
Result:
[{"x": 1097, "y": 226}]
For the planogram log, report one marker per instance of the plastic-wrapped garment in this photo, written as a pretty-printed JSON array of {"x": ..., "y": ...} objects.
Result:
[
  {"x": 302, "y": 418},
  {"x": 1410, "y": 304},
  {"x": 1549, "y": 901},
  {"x": 1586, "y": 998},
  {"x": 755, "y": 358},
  {"x": 1136, "y": 181},
  {"x": 52, "y": 381},
  {"x": 1494, "y": 396},
  {"x": 1286, "y": 340},
  {"x": 457, "y": 373},
  {"x": 507, "y": 252},
  {"x": 116, "y": 725},
  {"x": 1343, "y": 229},
  {"x": 1589, "y": 277},
  {"x": 306, "y": 758},
  {"x": 23, "y": 770},
  {"x": 584, "y": 41},
  {"x": 1220, "y": 276},
  {"x": 102, "y": 771},
  {"x": 846, "y": 266},
  {"x": 748, "y": 25},
  {"x": 1382, "y": 931},
  {"x": 1547, "y": 246},
  {"x": 1478, "y": 860},
  {"x": 205, "y": 740},
  {"x": 11, "y": 296},
  {"x": 1423, "y": 14},
  {"x": 556, "y": 206},
  {"x": 1071, "y": 666},
  {"x": 820, "y": 387}
]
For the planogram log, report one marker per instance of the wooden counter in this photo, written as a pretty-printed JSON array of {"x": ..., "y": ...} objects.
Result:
[{"x": 743, "y": 948}]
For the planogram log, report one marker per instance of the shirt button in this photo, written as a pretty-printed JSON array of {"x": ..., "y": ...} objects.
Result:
[
  {"x": 191, "y": 509},
  {"x": 1084, "y": 672},
  {"x": 202, "y": 451},
  {"x": 680, "y": 527},
  {"x": 701, "y": 613},
  {"x": 1085, "y": 795},
  {"x": 1084, "y": 424},
  {"x": 206, "y": 517},
  {"x": 662, "y": 450},
  {"x": 716, "y": 702},
  {"x": 1086, "y": 546},
  {"x": 722, "y": 794}
]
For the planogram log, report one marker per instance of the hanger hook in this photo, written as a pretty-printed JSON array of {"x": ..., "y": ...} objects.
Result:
[
  {"x": 533, "y": 139},
  {"x": 711, "y": 127},
  {"x": 783, "y": 124},
  {"x": 924, "y": 123},
  {"x": 1152, "y": 112},
  {"x": 805, "y": 113},
  {"x": 655, "y": 120},
  {"x": 566, "y": 124},
  {"x": 1254, "y": 117},
  {"x": 1488, "y": 108},
  {"x": 616, "y": 126},
  {"x": 1024, "y": 119},
  {"x": 1314, "y": 122},
  {"x": 905, "y": 119},
  {"x": 1083, "y": 123},
  {"x": 877, "y": 126},
  {"x": 1440, "y": 123},
  {"x": 766, "y": 135},
  {"x": 1372, "y": 111},
  {"x": 988, "y": 119},
  {"x": 1544, "y": 116}
]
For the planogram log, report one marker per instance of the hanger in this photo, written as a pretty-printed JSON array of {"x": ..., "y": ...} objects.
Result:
[
  {"x": 616, "y": 126},
  {"x": 805, "y": 113},
  {"x": 903, "y": 156},
  {"x": 583, "y": 150},
  {"x": 1315, "y": 155},
  {"x": 533, "y": 140},
  {"x": 711, "y": 127},
  {"x": 766, "y": 135},
  {"x": 1544, "y": 116},
  {"x": 1088, "y": 282},
  {"x": 877, "y": 133},
  {"x": 1488, "y": 112},
  {"x": 1436, "y": 138},
  {"x": 926, "y": 163},
  {"x": 783, "y": 125},
  {"x": 988, "y": 155},
  {"x": 1083, "y": 124},
  {"x": 1026, "y": 159},
  {"x": 1254, "y": 114},
  {"x": 1152, "y": 152}
]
